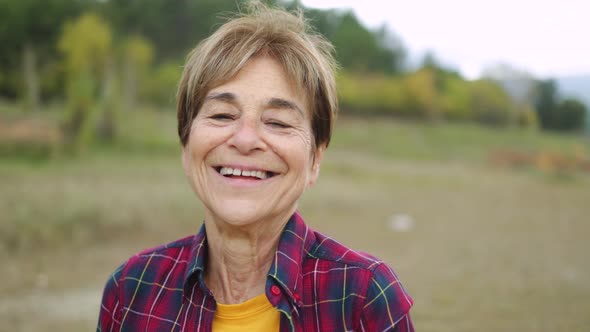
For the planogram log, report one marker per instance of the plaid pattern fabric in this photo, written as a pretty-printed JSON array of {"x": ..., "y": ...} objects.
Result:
[{"x": 315, "y": 282}]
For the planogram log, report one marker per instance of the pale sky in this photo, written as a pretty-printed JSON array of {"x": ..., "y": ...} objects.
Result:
[{"x": 544, "y": 37}]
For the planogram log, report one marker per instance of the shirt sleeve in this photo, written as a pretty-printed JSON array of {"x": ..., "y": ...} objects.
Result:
[
  {"x": 109, "y": 316},
  {"x": 387, "y": 305}
]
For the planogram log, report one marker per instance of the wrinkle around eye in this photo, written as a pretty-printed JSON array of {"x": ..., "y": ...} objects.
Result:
[
  {"x": 279, "y": 124},
  {"x": 221, "y": 116}
]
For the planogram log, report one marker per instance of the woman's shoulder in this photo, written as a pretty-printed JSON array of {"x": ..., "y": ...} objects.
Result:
[
  {"x": 157, "y": 260},
  {"x": 154, "y": 273},
  {"x": 383, "y": 299},
  {"x": 328, "y": 249}
]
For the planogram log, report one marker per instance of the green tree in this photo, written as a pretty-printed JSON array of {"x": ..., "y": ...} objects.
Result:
[
  {"x": 545, "y": 102},
  {"x": 86, "y": 45},
  {"x": 374, "y": 94},
  {"x": 29, "y": 28},
  {"x": 491, "y": 104},
  {"x": 572, "y": 114},
  {"x": 456, "y": 99},
  {"x": 173, "y": 26},
  {"x": 159, "y": 89},
  {"x": 360, "y": 49},
  {"x": 554, "y": 113},
  {"x": 422, "y": 94},
  {"x": 139, "y": 54}
]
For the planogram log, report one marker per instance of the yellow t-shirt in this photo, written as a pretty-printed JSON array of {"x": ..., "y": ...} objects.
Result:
[{"x": 256, "y": 314}]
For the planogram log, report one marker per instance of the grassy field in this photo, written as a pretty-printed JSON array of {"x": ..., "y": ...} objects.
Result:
[{"x": 484, "y": 248}]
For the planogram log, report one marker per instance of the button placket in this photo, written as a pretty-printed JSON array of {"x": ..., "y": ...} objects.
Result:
[{"x": 275, "y": 290}]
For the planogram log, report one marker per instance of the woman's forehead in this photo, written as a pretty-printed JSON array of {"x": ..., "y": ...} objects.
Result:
[{"x": 265, "y": 78}]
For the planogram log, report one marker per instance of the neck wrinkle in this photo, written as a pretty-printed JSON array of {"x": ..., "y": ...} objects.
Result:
[{"x": 239, "y": 259}]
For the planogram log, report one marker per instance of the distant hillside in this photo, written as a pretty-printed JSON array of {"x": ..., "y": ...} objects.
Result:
[{"x": 575, "y": 86}]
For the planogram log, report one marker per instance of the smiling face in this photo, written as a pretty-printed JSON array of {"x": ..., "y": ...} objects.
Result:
[{"x": 250, "y": 153}]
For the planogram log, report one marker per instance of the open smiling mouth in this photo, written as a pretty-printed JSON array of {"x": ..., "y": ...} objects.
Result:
[{"x": 241, "y": 174}]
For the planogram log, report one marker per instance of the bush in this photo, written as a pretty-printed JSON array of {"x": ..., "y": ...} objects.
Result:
[
  {"x": 370, "y": 94},
  {"x": 160, "y": 88},
  {"x": 491, "y": 104},
  {"x": 432, "y": 94},
  {"x": 571, "y": 114}
]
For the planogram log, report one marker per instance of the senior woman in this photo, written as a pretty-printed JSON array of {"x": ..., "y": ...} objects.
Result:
[{"x": 256, "y": 103}]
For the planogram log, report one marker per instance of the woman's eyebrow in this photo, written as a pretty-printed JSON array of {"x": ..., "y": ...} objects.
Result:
[
  {"x": 227, "y": 97},
  {"x": 276, "y": 103},
  {"x": 280, "y": 103}
]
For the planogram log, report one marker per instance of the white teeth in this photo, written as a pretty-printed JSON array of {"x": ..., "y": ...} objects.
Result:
[{"x": 238, "y": 172}]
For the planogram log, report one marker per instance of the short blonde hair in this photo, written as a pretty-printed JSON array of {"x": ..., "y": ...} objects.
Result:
[{"x": 305, "y": 56}]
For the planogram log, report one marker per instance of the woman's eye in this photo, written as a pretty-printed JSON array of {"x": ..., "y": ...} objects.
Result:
[
  {"x": 278, "y": 124},
  {"x": 221, "y": 116}
]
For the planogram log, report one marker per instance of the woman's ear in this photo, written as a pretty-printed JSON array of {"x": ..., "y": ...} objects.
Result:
[{"x": 315, "y": 167}]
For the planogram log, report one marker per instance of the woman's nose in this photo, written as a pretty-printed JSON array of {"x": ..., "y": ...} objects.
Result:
[{"x": 247, "y": 137}]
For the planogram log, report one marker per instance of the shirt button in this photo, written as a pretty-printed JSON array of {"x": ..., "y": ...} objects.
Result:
[{"x": 275, "y": 290}]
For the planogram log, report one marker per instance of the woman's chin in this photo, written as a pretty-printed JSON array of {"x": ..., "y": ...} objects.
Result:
[
  {"x": 245, "y": 215},
  {"x": 238, "y": 216}
]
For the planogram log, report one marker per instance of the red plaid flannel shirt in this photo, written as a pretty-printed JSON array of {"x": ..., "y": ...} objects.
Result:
[{"x": 315, "y": 282}]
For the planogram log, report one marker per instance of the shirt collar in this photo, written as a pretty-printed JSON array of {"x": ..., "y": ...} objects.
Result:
[
  {"x": 294, "y": 244},
  {"x": 198, "y": 257}
]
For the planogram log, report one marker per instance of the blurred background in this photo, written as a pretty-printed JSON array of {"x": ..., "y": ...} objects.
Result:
[{"x": 461, "y": 155}]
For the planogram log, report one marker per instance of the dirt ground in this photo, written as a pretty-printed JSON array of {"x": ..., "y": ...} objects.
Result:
[{"x": 478, "y": 248}]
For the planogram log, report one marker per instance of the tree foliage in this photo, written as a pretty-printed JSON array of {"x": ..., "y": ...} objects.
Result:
[
  {"x": 137, "y": 47},
  {"x": 138, "y": 56},
  {"x": 173, "y": 26},
  {"x": 358, "y": 48},
  {"x": 491, "y": 103},
  {"x": 29, "y": 28},
  {"x": 86, "y": 44},
  {"x": 572, "y": 114},
  {"x": 545, "y": 102},
  {"x": 432, "y": 94},
  {"x": 554, "y": 113}
]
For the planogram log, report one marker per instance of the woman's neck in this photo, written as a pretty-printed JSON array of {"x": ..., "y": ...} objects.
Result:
[{"x": 239, "y": 258}]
